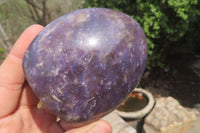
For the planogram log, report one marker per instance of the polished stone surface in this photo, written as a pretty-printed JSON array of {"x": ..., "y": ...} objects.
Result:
[{"x": 85, "y": 63}]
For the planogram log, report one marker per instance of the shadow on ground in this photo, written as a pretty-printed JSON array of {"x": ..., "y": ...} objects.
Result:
[{"x": 177, "y": 79}]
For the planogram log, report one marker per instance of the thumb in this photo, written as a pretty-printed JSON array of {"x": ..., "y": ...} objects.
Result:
[{"x": 100, "y": 126}]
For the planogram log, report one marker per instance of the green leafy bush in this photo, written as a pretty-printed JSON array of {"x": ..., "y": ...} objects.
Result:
[
  {"x": 163, "y": 21},
  {"x": 2, "y": 54}
]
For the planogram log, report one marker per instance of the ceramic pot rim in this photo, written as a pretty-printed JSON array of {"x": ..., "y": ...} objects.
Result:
[{"x": 140, "y": 113}]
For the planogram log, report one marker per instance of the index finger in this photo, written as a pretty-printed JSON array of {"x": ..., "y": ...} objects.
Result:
[{"x": 11, "y": 72}]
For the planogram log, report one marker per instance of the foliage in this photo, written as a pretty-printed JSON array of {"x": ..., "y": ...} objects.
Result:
[
  {"x": 2, "y": 54},
  {"x": 17, "y": 15},
  {"x": 14, "y": 18},
  {"x": 38, "y": 11},
  {"x": 44, "y": 11},
  {"x": 164, "y": 22}
]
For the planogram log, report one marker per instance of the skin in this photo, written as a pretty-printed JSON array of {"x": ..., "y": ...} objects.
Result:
[{"x": 18, "y": 103}]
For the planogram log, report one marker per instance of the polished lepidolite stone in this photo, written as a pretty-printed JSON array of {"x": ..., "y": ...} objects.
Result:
[{"x": 85, "y": 63}]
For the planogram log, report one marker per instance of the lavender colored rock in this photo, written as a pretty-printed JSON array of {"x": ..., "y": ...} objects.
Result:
[{"x": 85, "y": 63}]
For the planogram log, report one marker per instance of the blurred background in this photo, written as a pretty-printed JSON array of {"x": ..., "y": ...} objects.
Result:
[{"x": 172, "y": 28}]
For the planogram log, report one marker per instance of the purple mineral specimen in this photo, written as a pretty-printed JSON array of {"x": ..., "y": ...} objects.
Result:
[{"x": 85, "y": 63}]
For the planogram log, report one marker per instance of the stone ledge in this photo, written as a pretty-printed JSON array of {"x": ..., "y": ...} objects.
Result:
[
  {"x": 168, "y": 116},
  {"x": 118, "y": 124}
]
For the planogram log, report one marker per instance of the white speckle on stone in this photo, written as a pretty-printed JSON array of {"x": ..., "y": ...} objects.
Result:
[
  {"x": 129, "y": 45},
  {"x": 63, "y": 86},
  {"x": 91, "y": 101},
  {"x": 101, "y": 82},
  {"x": 49, "y": 37},
  {"x": 120, "y": 53},
  {"x": 109, "y": 88},
  {"x": 43, "y": 99},
  {"x": 57, "y": 71},
  {"x": 125, "y": 78},
  {"x": 85, "y": 59},
  {"x": 56, "y": 98},
  {"x": 49, "y": 49},
  {"x": 108, "y": 83},
  {"x": 39, "y": 64},
  {"x": 142, "y": 41},
  {"x": 53, "y": 72},
  {"x": 75, "y": 81},
  {"x": 60, "y": 91},
  {"x": 33, "y": 72},
  {"x": 60, "y": 48}
]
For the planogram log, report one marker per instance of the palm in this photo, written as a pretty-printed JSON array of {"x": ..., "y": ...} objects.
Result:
[
  {"x": 20, "y": 114},
  {"x": 27, "y": 119}
]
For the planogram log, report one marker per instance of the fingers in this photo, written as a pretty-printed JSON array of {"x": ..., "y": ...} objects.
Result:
[
  {"x": 28, "y": 98},
  {"x": 11, "y": 69},
  {"x": 11, "y": 73},
  {"x": 100, "y": 126}
]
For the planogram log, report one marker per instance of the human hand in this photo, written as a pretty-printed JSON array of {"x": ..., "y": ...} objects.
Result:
[{"x": 18, "y": 103}]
